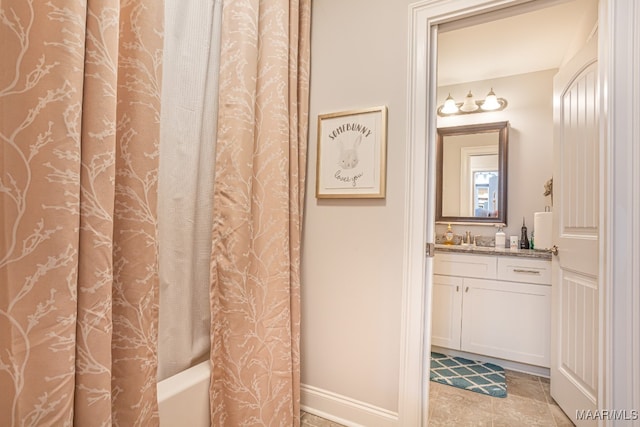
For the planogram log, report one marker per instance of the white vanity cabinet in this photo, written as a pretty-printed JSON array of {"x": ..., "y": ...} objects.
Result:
[{"x": 495, "y": 305}]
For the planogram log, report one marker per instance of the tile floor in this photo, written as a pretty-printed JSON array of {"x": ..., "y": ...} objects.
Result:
[
  {"x": 528, "y": 403},
  {"x": 310, "y": 420}
]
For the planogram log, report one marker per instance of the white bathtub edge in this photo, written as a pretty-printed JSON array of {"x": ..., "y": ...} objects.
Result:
[{"x": 183, "y": 399}]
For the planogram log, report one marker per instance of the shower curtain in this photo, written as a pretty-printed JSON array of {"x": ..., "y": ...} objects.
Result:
[
  {"x": 258, "y": 155},
  {"x": 79, "y": 115},
  {"x": 258, "y": 201},
  {"x": 81, "y": 234}
]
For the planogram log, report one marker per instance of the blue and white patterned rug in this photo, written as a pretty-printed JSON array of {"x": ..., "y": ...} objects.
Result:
[{"x": 485, "y": 378}]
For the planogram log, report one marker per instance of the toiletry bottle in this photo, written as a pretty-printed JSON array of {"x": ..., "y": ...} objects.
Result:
[
  {"x": 501, "y": 238},
  {"x": 531, "y": 246},
  {"x": 448, "y": 236},
  {"x": 524, "y": 240}
]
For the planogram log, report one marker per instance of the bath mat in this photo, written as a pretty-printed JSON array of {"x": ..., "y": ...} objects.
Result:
[{"x": 466, "y": 374}]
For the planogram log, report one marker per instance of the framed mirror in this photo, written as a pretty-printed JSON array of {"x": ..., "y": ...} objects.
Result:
[{"x": 471, "y": 173}]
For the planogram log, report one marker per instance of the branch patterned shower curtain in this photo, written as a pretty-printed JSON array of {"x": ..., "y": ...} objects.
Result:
[
  {"x": 258, "y": 200},
  {"x": 79, "y": 130}
]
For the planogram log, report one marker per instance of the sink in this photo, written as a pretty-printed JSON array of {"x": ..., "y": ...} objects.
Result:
[
  {"x": 485, "y": 244},
  {"x": 481, "y": 241}
]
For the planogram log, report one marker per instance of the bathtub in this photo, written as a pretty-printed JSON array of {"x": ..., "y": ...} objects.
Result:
[{"x": 183, "y": 399}]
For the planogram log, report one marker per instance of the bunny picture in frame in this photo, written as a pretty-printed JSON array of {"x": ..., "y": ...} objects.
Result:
[{"x": 351, "y": 154}]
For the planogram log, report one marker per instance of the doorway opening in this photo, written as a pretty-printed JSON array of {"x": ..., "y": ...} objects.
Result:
[
  {"x": 428, "y": 27},
  {"x": 515, "y": 53}
]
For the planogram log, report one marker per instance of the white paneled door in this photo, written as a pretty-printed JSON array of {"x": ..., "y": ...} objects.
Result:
[{"x": 574, "y": 346}]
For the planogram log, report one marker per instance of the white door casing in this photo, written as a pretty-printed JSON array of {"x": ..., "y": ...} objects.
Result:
[{"x": 575, "y": 301}]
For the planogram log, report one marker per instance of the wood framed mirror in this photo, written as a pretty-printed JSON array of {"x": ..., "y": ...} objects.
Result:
[{"x": 472, "y": 170}]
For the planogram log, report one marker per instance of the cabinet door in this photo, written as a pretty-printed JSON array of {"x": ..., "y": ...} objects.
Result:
[
  {"x": 508, "y": 320},
  {"x": 446, "y": 311}
]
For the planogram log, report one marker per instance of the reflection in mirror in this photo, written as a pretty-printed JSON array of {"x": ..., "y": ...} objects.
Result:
[{"x": 472, "y": 167}]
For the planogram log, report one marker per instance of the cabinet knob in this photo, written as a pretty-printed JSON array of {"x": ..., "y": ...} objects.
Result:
[{"x": 467, "y": 289}]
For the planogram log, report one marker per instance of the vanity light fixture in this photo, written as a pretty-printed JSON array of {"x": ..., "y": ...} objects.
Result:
[{"x": 470, "y": 105}]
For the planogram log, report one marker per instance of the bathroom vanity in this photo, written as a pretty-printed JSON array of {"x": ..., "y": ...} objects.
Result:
[{"x": 493, "y": 302}]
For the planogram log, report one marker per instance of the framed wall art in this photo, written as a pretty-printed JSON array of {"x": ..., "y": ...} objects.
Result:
[{"x": 352, "y": 148}]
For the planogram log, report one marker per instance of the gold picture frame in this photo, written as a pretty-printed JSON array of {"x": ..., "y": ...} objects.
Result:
[{"x": 351, "y": 156}]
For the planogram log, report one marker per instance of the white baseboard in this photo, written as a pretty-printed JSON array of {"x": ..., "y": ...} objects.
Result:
[
  {"x": 344, "y": 410},
  {"x": 507, "y": 364}
]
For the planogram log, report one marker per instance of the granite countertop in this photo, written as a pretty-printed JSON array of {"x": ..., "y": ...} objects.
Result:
[{"x": 484, "y": 250}]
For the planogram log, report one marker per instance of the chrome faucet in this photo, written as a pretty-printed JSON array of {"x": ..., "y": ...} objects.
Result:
[{"x": 467, "y": 238}]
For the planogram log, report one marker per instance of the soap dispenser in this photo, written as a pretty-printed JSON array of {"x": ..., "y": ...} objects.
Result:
[
  {"x": 448, "y": 236},
  {"x": 501, "y": 238}
]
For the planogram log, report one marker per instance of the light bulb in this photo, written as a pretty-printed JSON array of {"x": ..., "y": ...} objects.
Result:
[
  {"x": 491, "y": 102},
  {"x": 469, "y": 104},
  {"x": 449, "y": 106}
]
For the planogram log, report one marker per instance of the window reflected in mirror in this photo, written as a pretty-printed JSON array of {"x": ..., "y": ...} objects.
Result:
[{"x": 485, "y": 192}]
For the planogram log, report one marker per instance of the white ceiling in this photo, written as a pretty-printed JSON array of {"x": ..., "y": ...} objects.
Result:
[{"x": 513, "y": 42}]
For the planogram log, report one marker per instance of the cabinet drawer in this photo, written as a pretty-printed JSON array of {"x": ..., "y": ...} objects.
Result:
[
  {"x": 483, "y": 267},
  {"x": 524, "y": 270}
]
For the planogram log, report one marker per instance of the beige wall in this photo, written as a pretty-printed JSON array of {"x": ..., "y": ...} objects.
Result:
[
  {"x": 352, "y": 249},
  {"x": 530, "y": 115},
  {"x": 352, "y": 261}
]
